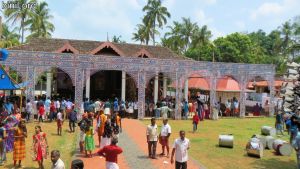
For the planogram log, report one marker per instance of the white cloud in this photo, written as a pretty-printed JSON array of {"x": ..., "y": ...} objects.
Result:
[
  {"x": 240, "y": 25},
  {"x": 96, "y": 17},
  {"x": 202, "y": 19},
  {"x": 169, "y": 4},
  {"x": 210, "y": 2},
  {"x": 274, "y": 8}
]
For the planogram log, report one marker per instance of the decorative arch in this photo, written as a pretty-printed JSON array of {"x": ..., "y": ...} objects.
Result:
[
  {"x": 68, "y": 48},
  {"x": 107, "y": 45},
  {"x": 40, "y": 70},
  {"x": 143, "y": 53}
]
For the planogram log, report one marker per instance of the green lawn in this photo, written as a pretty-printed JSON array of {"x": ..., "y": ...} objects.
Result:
[
  {"x": 66, "y": 144},
  {"x": 205, "y": 147}
]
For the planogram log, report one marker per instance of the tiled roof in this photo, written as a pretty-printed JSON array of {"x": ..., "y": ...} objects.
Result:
[{"x": 86, "y": 47}]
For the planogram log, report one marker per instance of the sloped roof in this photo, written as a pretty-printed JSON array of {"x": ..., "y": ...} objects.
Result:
[
  {"x": 86, "y": 47},
  {"x": 5, "y": 82},
  {"x": 277, "y": 83}
]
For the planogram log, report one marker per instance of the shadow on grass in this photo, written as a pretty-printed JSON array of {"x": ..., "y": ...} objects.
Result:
[
  {"x": 142, "y": 157},
  {"x": 11, "y": 166},
  {"x": 274, "y": 164}
]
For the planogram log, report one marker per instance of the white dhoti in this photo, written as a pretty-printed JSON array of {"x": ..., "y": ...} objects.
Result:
[
  {"x": 111, "y": 165},
  {"x": 107, "y": 111}
]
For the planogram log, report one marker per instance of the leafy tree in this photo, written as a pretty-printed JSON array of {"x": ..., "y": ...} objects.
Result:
[
  {"x": 19, "y": 15},
  {"x": 235, "y": 47},
  {"x": 9, "y": 38},
  {"x": 156, "y": 16},
  {"x": 39, "y": 24}
]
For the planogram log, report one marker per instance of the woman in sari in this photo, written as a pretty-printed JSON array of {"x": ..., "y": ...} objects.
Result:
[
  {"x": 19, "y": 143},
  {"x": 40, "y": 146},
  {"x": 10, "y": 123}
]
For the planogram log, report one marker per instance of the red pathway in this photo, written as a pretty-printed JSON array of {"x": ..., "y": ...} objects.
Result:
[{"x": 137, "y": 132}]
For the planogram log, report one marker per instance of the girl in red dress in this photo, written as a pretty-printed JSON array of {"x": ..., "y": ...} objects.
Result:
[{"x": 40, "y": 146}]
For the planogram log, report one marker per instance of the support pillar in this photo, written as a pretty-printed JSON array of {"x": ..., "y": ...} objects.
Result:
[
  {"x": 30, "y": 77},
  {"x": 156, "y": 88},
  {"x": 87, "y": 83},
  {"x": 272, "y": 94},
  {"x": 123, "y": 94},
  {"x": 79, "y": 81},
  {"x": 186, "y": 89},
  {"x": 242, "y": 101},
  {"x": 165, "y": 86},
  {"x": 212, "y": 93},
  {"x": 178, "y": 97},
  {"x": 49, "y": 82},
  {"x": 141, "y": 94}
]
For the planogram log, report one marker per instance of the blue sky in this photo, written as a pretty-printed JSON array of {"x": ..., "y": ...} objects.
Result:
[{"x": 92, "y": 19}]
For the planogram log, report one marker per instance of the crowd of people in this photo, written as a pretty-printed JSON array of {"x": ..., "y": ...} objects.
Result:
[{"x": 107, "y": 117}]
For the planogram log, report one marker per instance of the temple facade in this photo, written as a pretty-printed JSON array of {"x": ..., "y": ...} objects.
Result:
[{"x": 129, "y": 71}]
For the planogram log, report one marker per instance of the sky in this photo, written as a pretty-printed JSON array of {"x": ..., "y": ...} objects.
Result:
[{"x": 94, "y": 19}]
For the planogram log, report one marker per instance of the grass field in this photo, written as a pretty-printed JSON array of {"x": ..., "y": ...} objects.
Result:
[
  {"x": 206, "y": 151},
  {"x": 66, "y": 144}
]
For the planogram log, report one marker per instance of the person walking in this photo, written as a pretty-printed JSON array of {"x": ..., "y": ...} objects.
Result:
[
  {"x": 279, "y": 123},
  {"x": 89, "y": 139},
  {"x": 19, "y": 150},
  {"x": 152, "y": 137},
  {"x": 41, "y": 113},
  {"x": 72, "y": 120},
  {"x": 101, "y": 119},
  {"x": 111, "y": 152},
  {"x": 29, "y": 110},
  {"x": 60, "y": 121},
  {"x": 180, "y": 150},
  {"x": 164, "y": 137},
  {"x": 40, "y": 146},
  {"x": 195, "y": 122},
  {"x": 185, "y": 109},
  {"x": 57, "y": 163}
]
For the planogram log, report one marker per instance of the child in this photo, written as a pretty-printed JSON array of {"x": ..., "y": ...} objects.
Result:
[
  {"x": 81, "y": 140},
  {"x": 41, "y": 113},
  {"x": 89, "y": 139},
  {"x": 195, "y": 122},
  {"x": 59, "y": 123},
  {"x": 40, "y": 146}
]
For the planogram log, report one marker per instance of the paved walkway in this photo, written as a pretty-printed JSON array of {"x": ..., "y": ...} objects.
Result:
[{"x": 135, "y": 155}]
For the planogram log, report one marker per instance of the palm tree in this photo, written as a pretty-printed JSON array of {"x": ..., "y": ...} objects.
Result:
[
  {"x": 286, "y": 33},
  {"x": 201, "y": 36},
  {"x": 142, "y": 34},
  {"x": 9, "y": 38},
  {"x": 188, "y": 31},
  {"x": 39, "y": 23},
  {"x": 19, "y": 15},
  {"x": 173, "y": 39},
  {"x": 155, "y": 13}
]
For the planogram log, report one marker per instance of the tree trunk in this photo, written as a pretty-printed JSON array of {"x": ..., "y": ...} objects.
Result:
[
  {"x": 22, "y": 27},
  {"x": 153, "y": 33}
]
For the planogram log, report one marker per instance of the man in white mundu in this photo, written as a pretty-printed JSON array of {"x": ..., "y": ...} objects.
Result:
[{"x": 180, "y": 150}]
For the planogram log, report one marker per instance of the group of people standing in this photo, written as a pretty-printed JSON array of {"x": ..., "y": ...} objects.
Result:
[{"x": 180, "y": 146}]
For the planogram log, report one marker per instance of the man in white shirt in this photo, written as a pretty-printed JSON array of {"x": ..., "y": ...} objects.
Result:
[
  {"x": 180, "y": 150},
  {"x": 164, "y": 137},
  {"x": 57, "y": 163},
  {"x": 152, "y": 137}
]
